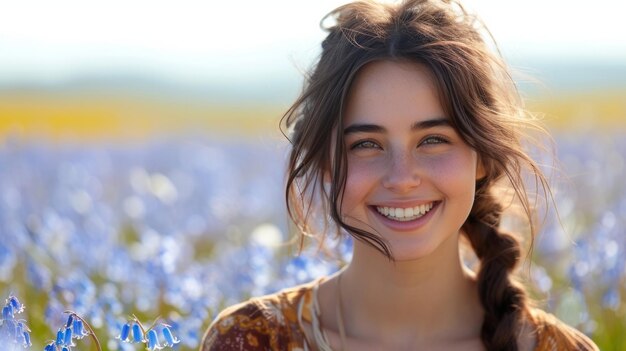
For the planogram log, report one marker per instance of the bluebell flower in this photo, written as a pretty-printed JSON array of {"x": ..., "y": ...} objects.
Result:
[
  {"x": 137, "y": 333},
  {"x": 15, "y": 304},
  {"x": 170, "y": 340},
  {"x": 79, "y": 329},
  {"x": 26, "y": 335},
  {"x": 125, "y": 333},
  {"x": 22, "y": 334},
  {"x": 153, "y": 340},
  {"x": 67, "y": 339},
  {"x": 7, "y": 313},
  {"x": 12, "y": 330},
  {"x": 60, "y": 337},
  {"x": 74, "y": 328},
  {"x": 70, "y": 319},
  {"x": 134, "y": 332}
]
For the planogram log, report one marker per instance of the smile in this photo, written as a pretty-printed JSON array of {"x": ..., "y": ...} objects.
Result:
[{"x": 405, "y": 214}]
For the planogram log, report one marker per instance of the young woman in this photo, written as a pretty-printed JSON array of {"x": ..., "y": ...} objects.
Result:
[{"x": 405, "y": 128}]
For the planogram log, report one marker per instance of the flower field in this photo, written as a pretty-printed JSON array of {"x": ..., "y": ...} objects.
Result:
[{"x": 158, "y": 236}]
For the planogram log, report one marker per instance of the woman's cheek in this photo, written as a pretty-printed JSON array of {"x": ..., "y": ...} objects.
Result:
[
  {"x": 362, "y": 176},
  {"x": 456, "y": 169}
]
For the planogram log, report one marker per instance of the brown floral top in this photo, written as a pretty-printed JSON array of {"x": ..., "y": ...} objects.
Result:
[{"x": 274, "y": 322}]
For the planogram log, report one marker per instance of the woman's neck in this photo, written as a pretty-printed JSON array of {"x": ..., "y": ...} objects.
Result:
[{"x": 431, "y": 298}]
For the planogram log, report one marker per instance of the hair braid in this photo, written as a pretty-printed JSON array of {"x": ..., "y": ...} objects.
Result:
[{"x": 502, "y": 299}]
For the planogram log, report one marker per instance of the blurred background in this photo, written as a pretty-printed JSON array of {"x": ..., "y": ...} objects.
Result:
[{"x": 141, "y": 164}]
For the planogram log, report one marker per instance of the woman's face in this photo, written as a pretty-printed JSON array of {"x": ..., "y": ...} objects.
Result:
[{"x": 411, "y": 177}]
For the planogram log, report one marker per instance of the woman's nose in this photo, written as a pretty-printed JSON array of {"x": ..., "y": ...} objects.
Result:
[{"x": 402, "y": 174}]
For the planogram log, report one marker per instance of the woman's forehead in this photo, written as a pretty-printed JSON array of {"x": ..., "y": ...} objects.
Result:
[{"x": 392, "y": 92}]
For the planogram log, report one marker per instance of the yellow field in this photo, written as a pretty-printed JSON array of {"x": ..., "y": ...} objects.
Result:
[
  {"x": 86, "y": 118},
  {"x": 61, "y": 116},
  {"x": 582, "y": 111}
]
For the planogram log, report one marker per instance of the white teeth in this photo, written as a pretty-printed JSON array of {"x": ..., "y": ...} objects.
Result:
[
  {"x": 399, "y": 212},
  {"x": 408, "y": 212},
  {"x": 405, "y": 214}
]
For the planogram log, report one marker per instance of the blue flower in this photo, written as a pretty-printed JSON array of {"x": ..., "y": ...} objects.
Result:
[
  {"x": 125, "y": 332},
  {"x": 170, "y": 340},
  {"x": 60, "y": 337},
  {"x": 73, "y": 328},
  {"x": 15, "y": 303},
  {"x": 70, "y": 319},
  {"x": 22, "y": 335},
  {"x": 7, "y": 313},
  {"x": 137, "y": 334},
  {"x": 79, "y": 329},
  {"x": 134, "y": 332},
  {"x": 67, "y": 340},
  {"x": 26, "y": 338},
  {"x": 153, "y": 341},
  {"x": 12, "y": 330}
]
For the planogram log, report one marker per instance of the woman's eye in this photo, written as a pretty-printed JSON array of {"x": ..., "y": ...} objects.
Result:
[
  {"x": 433, "y": 140},
  {"x": 365, "y": 144}
]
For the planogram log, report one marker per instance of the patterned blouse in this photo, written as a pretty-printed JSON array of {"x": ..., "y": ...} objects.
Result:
[{"x": 273, "y": 322}]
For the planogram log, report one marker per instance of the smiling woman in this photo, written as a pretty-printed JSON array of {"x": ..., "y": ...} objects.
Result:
[{"x": 404, "y": 130}]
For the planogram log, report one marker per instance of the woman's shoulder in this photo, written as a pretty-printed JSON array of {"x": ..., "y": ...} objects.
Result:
[
  {"x": 261, "y": 323},
  {"x": 554, "y": 335}
]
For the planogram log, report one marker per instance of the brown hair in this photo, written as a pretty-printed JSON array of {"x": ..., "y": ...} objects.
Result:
[{"x": 477, "y": 93}]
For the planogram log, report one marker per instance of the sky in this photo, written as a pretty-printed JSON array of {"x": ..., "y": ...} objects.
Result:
[{"x": 195, "y": 41}]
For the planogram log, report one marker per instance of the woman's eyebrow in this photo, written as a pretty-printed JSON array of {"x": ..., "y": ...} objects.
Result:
[
  {"x": 363, "y": 128},
  {"x": 374, "y": 128},
  {"x": 431, "y": 123}
]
